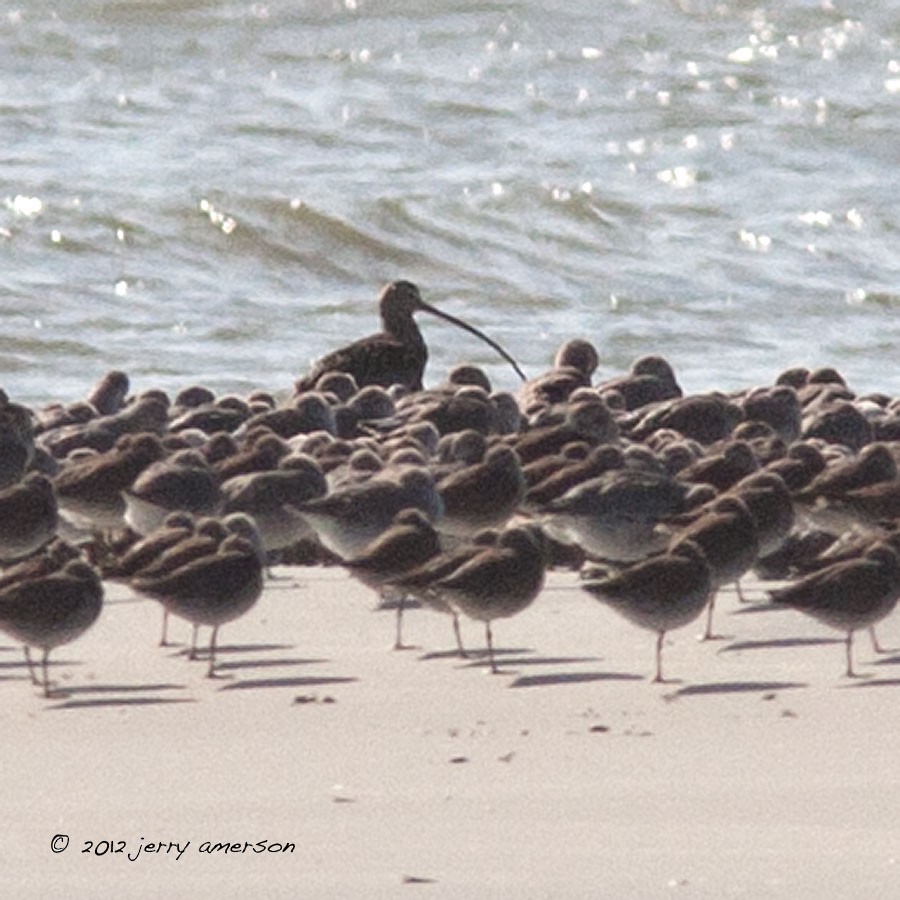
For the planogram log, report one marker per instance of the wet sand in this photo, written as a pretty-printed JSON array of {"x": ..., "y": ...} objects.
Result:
[{"x": 758, "y": 771}]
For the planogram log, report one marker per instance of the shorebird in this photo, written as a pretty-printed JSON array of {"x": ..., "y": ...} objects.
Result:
[
  {"x": 265, "y": 496},
  {"x": 183, "y": 481},
  {"x": 661, "y": 593},
  {"x": 572, "y": 472},
  {"x": 848, "y": 595},
  {"x": 820, "y": 502},
  {"x": 346, "y": 521},
  {"x": 262, "y": 454},
  {"x": 769, "y": 503},
  {"x": 397, "y": 354},
  {"x": 407, "y": 544},
  {"x": 778, "y": 406},
  {"x": 616, "y": 516},
  {"x": 108, "y": 395},
  {"x": 483, "y": 495},
  {"x": 498, "y": 582},
  {"x": 211, "y": 590},
  {"x": 650, "y": 380},
  {"x": 803, "y": 462},
  {"x": 574, "y": 364},
  {"x": 705, "y": 418},
  {"x": 422, "y": 581},
  {"x": 16, "y": 440},
  {"x": 51, "y": 558},
  {"x": 148, "y": 412},
  {"x": 177, "y": 527},
  {"x": 90, "y": 491},
  {"x": 838, "y": 422},
  {"x": 733, "y": 462},
  {"x": 50, "y": 610},
  {"x": 726, "y": 533},
  {"x": 28, "y": 517},
  {"x": 584, "y": 419}
]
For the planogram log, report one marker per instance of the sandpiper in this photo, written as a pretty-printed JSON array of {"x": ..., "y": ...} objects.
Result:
[
  {"x": 500, "y": 581},
  {"x": 706, "y": 418},
  {"x": 50, "y": 610},
  {"x": 177, "y": 527},
  {"x": 848, "y": 595},
  {"x": 396, "y": 355},
  {"x": 585, "y": 418},
  {"x": 421, "y": 582},
  {"x": 183, "y": 481},
  {"x": 16, "y": 440},
  {"x": 726, "y": 533},
  {"x": 820, "y": 501},
  {"x": 211, "y": 590},
  {"x": 408, "y": 543},
  {"x": 616, "y": 516},
  {"x": 90, "y": 491},
  {"x": 346, "y": 521},
  {"x": 660, "y": 593},
  {"x": 28, "y": 517},
  {"x": 651, "y": 380},
  {"x": 266, "y": 496},
  {"x": 574, "y": 364},
  {"x": 483, "y": 495}
]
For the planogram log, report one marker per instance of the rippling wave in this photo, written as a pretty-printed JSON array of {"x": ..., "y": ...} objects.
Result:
[{"x": 215, "y": 191}]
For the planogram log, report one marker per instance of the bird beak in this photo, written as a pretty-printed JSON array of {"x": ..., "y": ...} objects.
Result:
[{"x": 425, "y": 307}]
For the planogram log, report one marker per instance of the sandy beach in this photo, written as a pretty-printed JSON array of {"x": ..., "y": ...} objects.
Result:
[{"x": 330, "y": 765}]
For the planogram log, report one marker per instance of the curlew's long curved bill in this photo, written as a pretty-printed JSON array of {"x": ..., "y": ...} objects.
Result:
[{"x": 425, "y": 307}]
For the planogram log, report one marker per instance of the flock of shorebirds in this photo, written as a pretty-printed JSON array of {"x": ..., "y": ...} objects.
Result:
[{"x": 458, "y": 496}]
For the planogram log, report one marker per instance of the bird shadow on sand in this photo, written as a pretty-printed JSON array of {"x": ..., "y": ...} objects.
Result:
[
  {"x": 779, "y": 644},
  {"x": 473, "y": 658},
  {"x": 558, "y": 678},
  {"x": 866, "y": 681},
  {"x": 114, "y": 695},
  {"x": 266, "y": 663},
  {"x": 288, "y": 681},
  {"x": 890, "y": 658},
  {"x": 230, "y": 657},
  {"x": 236, "y": 648},
  {"x": 737, "y": 687}
]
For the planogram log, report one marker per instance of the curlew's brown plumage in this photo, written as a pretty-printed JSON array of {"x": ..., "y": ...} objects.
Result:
[{"x": 397, "y": 354}]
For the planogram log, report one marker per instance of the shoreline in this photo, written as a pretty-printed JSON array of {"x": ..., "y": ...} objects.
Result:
[{"x": 760, "y": 771}]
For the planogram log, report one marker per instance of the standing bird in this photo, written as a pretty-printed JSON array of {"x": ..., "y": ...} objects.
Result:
[
  {"x": 849, "y": 595},
  {"x": 397, "y": 354},
  {"x": 51, "y": 610},
  {"x": 500, "y": 581},
  {"x": 660, "y": 593},
  {"x": 210, "y": 590},
  {"x": 726, "y": 533},
  {"x": 408, "y": 544}
]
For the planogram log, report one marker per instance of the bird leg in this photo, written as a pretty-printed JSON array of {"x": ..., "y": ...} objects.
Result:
[
  {"x": 458, "y": 636},
  {"x": 709, "y": 634},
  {"x": 659, "y": 646},
  {"x": 398, "y": 637},
  {"x": 163, "y": 640},
  {"x": 490, "y": 648},
  {"x": 211, "y": 671},
  {"x": 849, "y": 647},
  {"x": 44, "y": 659},
  {"x": 34, "y": 678},
  {"x": 192, "y": 653},
  {"x": 876, "y": 644}
]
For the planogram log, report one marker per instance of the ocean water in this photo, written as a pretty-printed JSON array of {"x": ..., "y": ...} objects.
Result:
[{"x": 214, "y": 191}]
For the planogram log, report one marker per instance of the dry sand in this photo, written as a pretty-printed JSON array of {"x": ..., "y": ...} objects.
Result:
[{"x": 759, "y": 772}]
